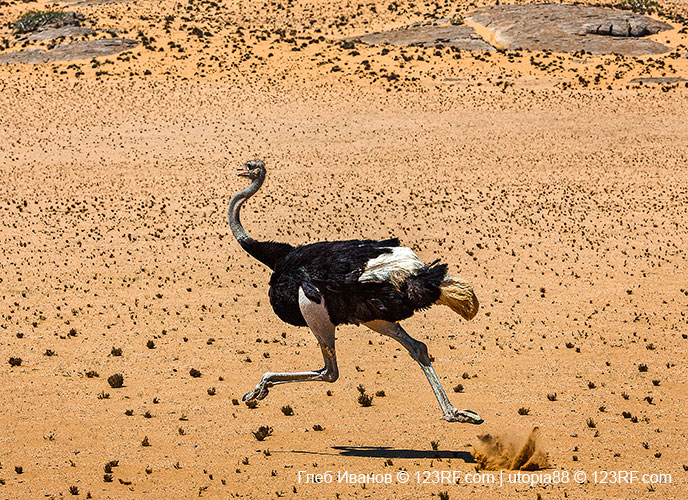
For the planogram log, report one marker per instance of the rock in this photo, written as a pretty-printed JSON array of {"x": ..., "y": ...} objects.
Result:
[
  {"x": 569, "y": 28},
  {"x": 440, "y": 32},
  {"x": 659, "y": 80},
  {"x": 67, "y": 51},
  {"x": 53, "y": 33}
]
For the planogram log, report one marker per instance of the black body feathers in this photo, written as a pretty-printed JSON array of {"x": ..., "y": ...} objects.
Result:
[
  {"x": 267, "y": 252},
  {"x": 331, "y": 270}
]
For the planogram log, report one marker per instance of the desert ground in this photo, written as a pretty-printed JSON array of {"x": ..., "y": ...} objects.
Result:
[{"x": 553, "y": 182}]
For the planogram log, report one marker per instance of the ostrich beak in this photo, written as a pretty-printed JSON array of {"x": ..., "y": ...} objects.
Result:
[{"x": 243, "y": 172}]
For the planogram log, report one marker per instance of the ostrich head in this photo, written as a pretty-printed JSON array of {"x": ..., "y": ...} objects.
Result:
[{"x": 253, "y": 170}]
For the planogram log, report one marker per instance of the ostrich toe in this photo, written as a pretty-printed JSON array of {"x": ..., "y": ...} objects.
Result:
[{"x": 463, "y": 416}]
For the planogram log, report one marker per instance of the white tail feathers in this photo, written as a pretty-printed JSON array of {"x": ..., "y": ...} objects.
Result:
[{"x": 458, "y": 295}]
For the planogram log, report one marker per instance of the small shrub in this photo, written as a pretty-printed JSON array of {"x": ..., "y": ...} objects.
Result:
[
  {"x": 92, "y": 374},
  {"x": 552, "y": 396},
  {"x": 103, "y": 395},
  {"x": 115, "y": 351},
  {"x": 211, "y": 391},
  {"x": 591, "y": 423},
  {"x": 145, "y": 441},
  {"x": 642, "y": 367},
  {"x": 523, "y": 411},
  {"x": 380, "y": 394},
  {"x": 361, "y": 389},
  {"x": 262, "y": 432},
  {"x": 15, "y": 361},
  {"x": 435, "y": 445},
  {"x": 318, "y": 427},
  {"x": 458, "y": 388},
  {"x": 74, "y": 490},
  {"x": 288, "y": 410},
  {"x": 34, "y": 20},
  {"x": 252, "y": 403},
  {"x": 365, "y": 400},
  {"x": 194, "y": 373},
  {"x": 150, "y": 344},
  {"x": 444, "y": 495}
]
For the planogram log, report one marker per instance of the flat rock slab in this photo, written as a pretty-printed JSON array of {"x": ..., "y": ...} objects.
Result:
[
  {"x": 53, "y": 33},
  {"x": 67, "y": 51},
  {"x": 569, "y": 28},
  {"x": 447, "y": 34},
  {"x": 662, "y": 80}
]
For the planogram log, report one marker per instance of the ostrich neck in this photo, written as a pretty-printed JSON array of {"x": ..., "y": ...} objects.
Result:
[
  {"x": 267, "y": 252},
  {"x": 246, "y": 242}
]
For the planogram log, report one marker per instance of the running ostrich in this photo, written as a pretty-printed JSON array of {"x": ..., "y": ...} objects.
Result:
[{"x": 329, "y": 283}]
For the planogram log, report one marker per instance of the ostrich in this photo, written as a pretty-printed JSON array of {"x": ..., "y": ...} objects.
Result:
[{"x": 329, "y": 283}]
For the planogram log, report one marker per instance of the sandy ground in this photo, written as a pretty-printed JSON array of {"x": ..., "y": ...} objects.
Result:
[{"x": 565, "y": 203}]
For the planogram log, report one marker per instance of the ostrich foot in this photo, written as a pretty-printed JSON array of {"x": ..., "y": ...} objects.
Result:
[
  {"x": 258, "y": 393},
  {"x": 463, "y": 416}
]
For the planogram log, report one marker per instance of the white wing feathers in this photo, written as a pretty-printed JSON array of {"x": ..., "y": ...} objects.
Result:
[{"x": 394, "y": 267}]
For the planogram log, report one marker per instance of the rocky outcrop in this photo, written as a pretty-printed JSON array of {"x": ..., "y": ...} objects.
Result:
[
  {"x": 424, "y": 35},
  {"x": 661, "y": 80},
  {"x": 54, "y": 33},
  {"x": 568, "y": 28},
  {"x": 67, "y": 51}
]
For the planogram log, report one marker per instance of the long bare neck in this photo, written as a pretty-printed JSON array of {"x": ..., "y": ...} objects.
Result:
[
  {"x": 267, "y": 252},
  {"x": 233, "y": 214}
]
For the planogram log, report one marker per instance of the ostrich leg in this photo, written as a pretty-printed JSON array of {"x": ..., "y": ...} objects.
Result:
[
  {"x": 419, "y": 351},
  {"x": 319, "y": 322}
]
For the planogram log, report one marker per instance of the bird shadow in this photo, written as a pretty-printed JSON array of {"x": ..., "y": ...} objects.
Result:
[{"x": 388, "y": 452}]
